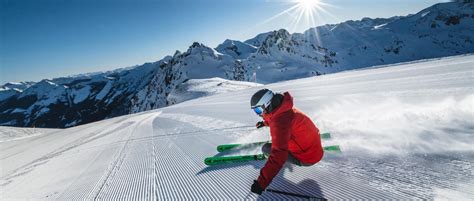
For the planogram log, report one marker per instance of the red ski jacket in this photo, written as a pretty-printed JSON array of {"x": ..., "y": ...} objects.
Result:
[{"x": 292, "y": 132}]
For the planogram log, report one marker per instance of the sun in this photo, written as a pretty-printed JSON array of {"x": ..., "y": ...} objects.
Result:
[
  {"x": 308, "y": 5},
  {"x": 301, "y": 15}
]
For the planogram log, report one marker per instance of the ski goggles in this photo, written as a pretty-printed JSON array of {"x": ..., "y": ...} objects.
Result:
[{"x": 258, "y": 110}]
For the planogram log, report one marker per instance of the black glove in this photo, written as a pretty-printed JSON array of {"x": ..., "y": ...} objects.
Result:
[
  {"x": 256, "y": 188},
  {"x": 260, "y": 124}
]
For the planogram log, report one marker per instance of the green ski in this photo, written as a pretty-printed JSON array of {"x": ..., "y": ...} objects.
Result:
[
  {"x": 332, "y": 148},
  {"x": 218, "y": 160},
  {"x": 232, "y": 159},
  {"x": 225, "y": 147}
]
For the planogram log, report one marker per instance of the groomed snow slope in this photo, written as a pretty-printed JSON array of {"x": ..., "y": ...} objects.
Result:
[
  {"x": 406, "y": 132},
  {"x": 15, "y": 133},
  {"x": 196, "y": 88}
]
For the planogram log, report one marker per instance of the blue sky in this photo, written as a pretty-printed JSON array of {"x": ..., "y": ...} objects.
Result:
[{"x": 52, "y": 38}]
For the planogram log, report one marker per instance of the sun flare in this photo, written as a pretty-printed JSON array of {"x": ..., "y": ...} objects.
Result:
[
  {"x": 301, "y": 15},
  {"x": 308, "y": 5}
]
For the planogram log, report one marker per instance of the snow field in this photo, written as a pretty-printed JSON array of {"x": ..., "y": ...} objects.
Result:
[{"x": 404, "y": 131}]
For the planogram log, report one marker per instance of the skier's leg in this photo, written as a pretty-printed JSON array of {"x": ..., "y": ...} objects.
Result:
[
  {"x": 291, "y": 159},
  {"x": 267, "y": 149}
]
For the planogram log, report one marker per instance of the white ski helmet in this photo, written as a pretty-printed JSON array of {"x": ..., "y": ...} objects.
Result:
[{"x": 261, "y": 100}]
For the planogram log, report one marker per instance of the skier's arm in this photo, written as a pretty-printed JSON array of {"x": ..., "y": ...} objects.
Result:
[
  {"x": 261, "y": 124},
  {"x": 280, "y": 131}
]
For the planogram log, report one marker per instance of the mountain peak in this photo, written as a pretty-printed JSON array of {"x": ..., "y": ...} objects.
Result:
[
  {"x": 196, "y": 45},
  {"x": 176, "y": 53},
  {"x": 258, "y": 40},
  {"x": 17, "y": 85},
  {"x": 283, "y": 33},
  {"x": 236, "y": 49},
  {"x": 439, "y": 15},
  {"x": 280, "y": 39}
]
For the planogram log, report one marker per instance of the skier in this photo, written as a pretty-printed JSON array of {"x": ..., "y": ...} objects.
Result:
[{"x": 295, "y": 138}]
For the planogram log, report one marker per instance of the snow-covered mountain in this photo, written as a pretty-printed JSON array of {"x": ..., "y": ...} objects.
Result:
[
  {"x": 441, "y": 30},
  {"x": 405, "y": 133},
  {"x": 236, "y": 49},
  {"x": 66, "y": 102},
  {"x": 13, "y": 88},
  {"x": 198, "y": 62}
]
